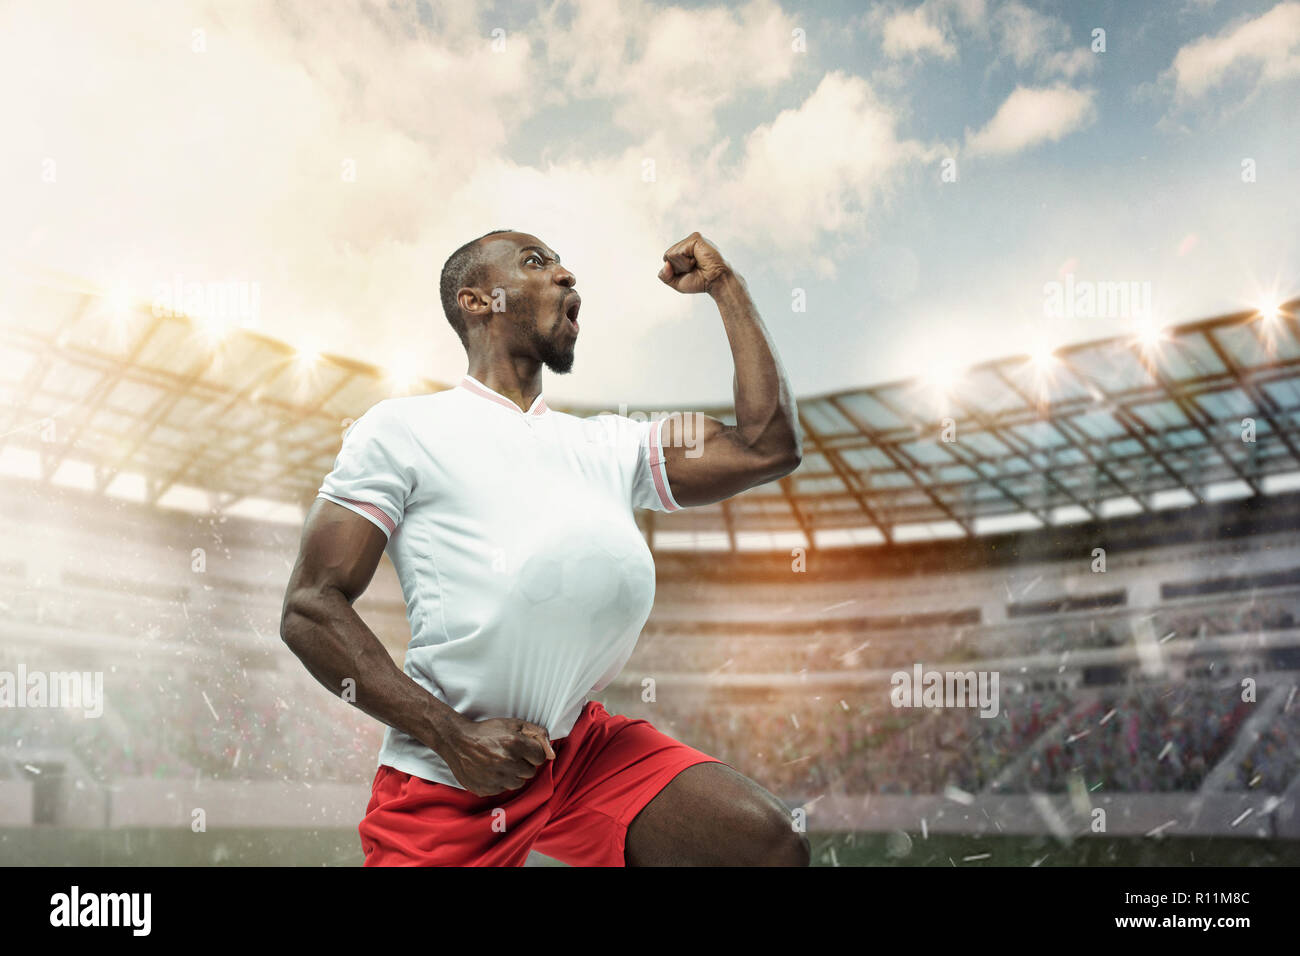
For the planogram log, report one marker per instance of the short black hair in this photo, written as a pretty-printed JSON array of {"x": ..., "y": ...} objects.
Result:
[{"x": 462, "y": 268}]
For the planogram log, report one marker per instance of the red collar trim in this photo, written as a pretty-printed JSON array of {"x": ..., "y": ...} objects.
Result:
[{"x": 473, "y": 385}]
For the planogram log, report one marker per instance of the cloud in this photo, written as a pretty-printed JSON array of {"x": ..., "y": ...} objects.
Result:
[
  {"x": 1259, "y": 51},
  {"x": 228, "y": 163},
  {"x": 229, "y": 154},
  {"x": 928, "y": 29},
  {"x": 235, "y": 160},
  {"x": 1033, "y": 39},
  {"x": 1069, "y": 63},
  {"x": 972, "y": 14},
  {"x": 1025, "y": 34},
  {"x": 1030, "y": 40},
  {"x": 667, "y": 68},
  {"x": 910, "y": 33},
  {"x": 1029, "y": 117},
  {"x": 815, "y": 170}
]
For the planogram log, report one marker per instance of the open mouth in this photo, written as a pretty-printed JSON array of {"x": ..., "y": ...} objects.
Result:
[{"x": 571, "y": 311}]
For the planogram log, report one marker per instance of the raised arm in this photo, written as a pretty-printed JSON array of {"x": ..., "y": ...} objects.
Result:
[
  {"x": 336, "y": 562},
  {"x": 709, "y": 461}
]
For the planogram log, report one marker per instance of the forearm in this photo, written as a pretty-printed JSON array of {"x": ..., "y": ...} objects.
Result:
[
  {"x": 335, "y": 645},
  {"x": 766, "y": 416}
]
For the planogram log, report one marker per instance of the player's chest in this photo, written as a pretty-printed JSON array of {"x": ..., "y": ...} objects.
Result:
[{"x": 524, "y": 467}]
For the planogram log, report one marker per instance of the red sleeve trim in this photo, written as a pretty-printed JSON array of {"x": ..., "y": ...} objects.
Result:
[
  {"x": 374, "y": 512},
  {"x": 659, "y": 468}
]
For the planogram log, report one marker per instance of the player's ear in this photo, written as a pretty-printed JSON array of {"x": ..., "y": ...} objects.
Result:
[{"x": 474, "y": 301}]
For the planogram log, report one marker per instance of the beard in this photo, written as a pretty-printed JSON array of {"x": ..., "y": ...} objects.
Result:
[{"x": 555, "y": 355}]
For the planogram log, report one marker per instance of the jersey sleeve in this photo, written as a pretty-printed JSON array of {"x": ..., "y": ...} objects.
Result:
[
  {"x": 639, "y": 449},
  {"x": 372, "y": 473}
]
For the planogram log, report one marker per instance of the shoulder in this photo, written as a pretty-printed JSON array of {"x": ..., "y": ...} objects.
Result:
[
  {"x": 398, "y": 415},
  {"x": 607, "y": 429},
  {"x": 414, "y": 407}
]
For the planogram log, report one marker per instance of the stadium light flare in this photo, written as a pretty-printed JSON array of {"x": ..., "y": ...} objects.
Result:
[
  {"x": 212, "y": 327},
  {"x": 118, "y": 307},
  {"x": 305, "y": 366},
  {"x": 1270, "y": 310},
  {"x": 306, "y": 357},
  {"x": 941, "y": 375},
  {"x": 1042, "y": 357},
  {"x": 1149, "y": 333},
  {"x": 1042, "y": 366}
]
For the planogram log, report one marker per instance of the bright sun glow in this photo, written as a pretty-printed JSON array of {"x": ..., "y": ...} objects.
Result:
[
  {"x": 1042, "y": 357},
  {"x": 307, "y": 355},
  {"x": 941, "y": 375},
  {"x": 1150, "y": 333},
  {"x": 213, "y": 328},
  {"x": 1269, "y": 309}
]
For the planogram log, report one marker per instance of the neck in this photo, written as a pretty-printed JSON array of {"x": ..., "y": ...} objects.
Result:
[{"x": 518, "y": 379}]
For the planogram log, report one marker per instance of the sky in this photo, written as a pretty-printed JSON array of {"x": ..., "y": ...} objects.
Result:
[{"x": 901, "y": 185}]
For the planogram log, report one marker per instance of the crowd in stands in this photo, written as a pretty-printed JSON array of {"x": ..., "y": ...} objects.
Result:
[
  {"x": 256, "y": 725},
  {"x": 135, "y": 616},
  {"x": 168, "y": 716},
  {"x": 1246, "y": 615},
  {"x": 1273, "y": 762},
  {"x": 1145, "y": 738},
  {"x": 819, "y": 648},
  {"x": 232, "y": 724},
  {"x": 812, "y": 650},
  {"x": 1054, "y": 635},
  {"x": 829, "y": 745},
  {"x": 1157, "y": 737}
]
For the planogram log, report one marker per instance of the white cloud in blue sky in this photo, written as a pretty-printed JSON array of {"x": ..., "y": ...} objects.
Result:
[{"x": 817, "y": 168}]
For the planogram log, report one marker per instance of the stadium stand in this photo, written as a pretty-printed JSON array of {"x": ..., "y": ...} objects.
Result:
[{"x": 1166, "y": 673}]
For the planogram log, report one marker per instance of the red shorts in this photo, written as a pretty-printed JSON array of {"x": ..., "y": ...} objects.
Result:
[{"x": 576, "y": 808}]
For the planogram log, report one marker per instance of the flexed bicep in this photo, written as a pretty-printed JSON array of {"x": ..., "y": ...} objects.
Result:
[{"x": 709, "y": 461}]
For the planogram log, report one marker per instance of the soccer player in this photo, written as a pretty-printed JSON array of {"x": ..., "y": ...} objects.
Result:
[{"x": 527, "y": 583}]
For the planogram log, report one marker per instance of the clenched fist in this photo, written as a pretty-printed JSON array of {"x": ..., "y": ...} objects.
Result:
[
  {"x": 498, "y": 754},
  {"x": 693, "y": 265}
]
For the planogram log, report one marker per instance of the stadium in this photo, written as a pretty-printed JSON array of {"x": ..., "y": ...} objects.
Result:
[{"x": 1109, "y": 530}]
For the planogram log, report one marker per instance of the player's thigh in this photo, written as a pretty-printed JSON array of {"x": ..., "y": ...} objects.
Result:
[{"x": 713, "y": 815}]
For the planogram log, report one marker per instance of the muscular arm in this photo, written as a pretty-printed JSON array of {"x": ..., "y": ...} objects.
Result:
[
  {"x": 709, "y": 461},
  {"x": 338, "y": 556}
]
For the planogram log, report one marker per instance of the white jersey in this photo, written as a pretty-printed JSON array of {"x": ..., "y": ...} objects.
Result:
[{"x": 526, "y": 579}]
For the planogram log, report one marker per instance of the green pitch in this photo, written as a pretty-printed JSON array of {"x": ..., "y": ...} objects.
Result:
[{"x": 44, "y": 846}]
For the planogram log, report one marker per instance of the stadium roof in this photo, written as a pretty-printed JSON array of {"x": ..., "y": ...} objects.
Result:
[{"x": 169, "y": 409}]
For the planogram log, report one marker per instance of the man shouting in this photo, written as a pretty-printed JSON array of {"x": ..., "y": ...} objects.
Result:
[{"x": 527, "y": 583}]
